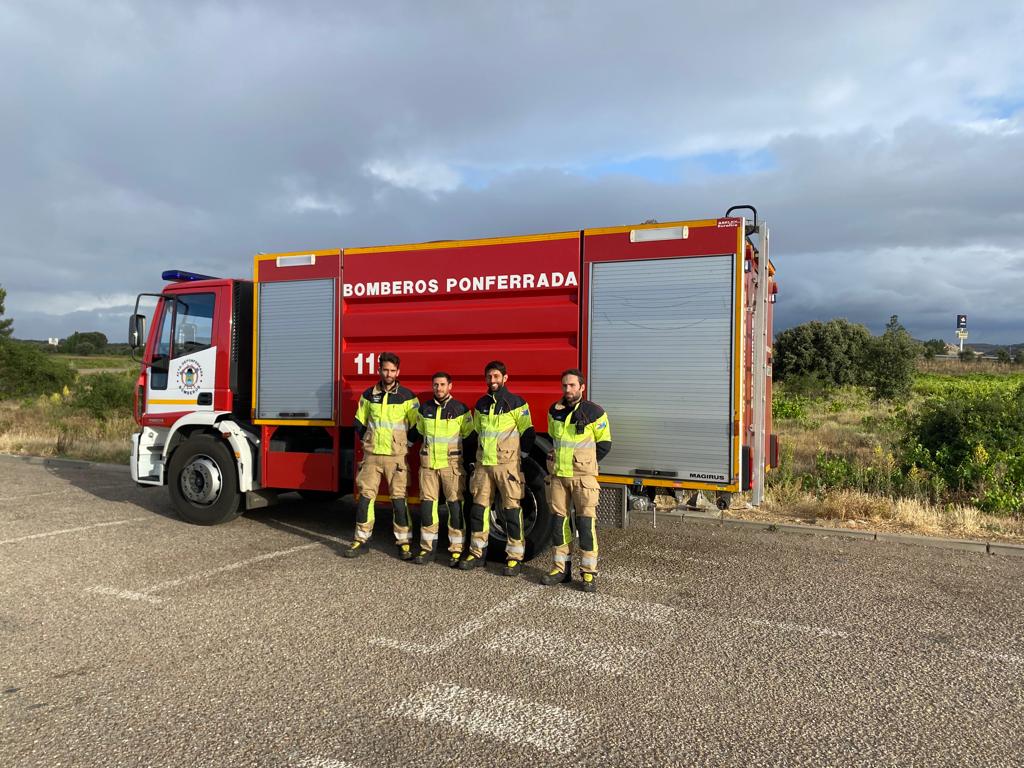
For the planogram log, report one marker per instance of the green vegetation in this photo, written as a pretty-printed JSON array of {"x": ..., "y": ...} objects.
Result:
[
  {"x": 104, "y": 394},
  {"x": 6, "y": 324},
  {"x": 968, "y": 433},
  {"x": 47, "y": 408},
  {"x": 25, "y": 371},
  {"x": 889, "y": 362},
  {"x": 104, "y": 362},
  {"x": 816, "y": 357},
  {"x": 933, "y": 347},
  {"x": 90, "y": 343},
  {"x": 955, "y": 442}
]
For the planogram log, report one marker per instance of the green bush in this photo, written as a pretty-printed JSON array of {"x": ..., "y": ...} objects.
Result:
[
  {"x": 889, "y": 362},
  {"x": 973, "y": 438},
  {"x": 831, "y": 352},
  {"x": 27, "y": 371},
  {"x": 105, "y": 394},
  {"x": 786, "y": 406}
]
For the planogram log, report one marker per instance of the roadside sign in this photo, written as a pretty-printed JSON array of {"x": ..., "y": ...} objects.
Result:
[
  {"x": 961, "y": 321},
  {"x": 961, "y": 333}
]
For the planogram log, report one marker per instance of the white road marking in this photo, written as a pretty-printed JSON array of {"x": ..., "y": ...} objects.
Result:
[
  {"x": 321, "y": 762},
  {"x": 230, "y": 567},
  {"x": 675, "y": 556},
  {"x": 635, "y": 576},
  {"x": 1007, "y": 657},
  {"x": 787, "y": 626},
  {"x": 124, "y": 594},
  {"x": 147, "y": 591},
  {"x": 636, "y": 610},
  {"x": 72, "y": 530},
  {"x": 563, "y": 650},
  {"x": 311, "y": 533},
  {"x": 126, "y": 485},
  {"x": 495, "y": 715},
  {"x": 464, "y": 630}
]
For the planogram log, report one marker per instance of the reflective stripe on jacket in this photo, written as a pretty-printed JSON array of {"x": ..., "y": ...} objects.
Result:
[
  {"x": 504, "y": 427},
  {"x": 582, "y": 436},
  {"x": 442, "y": 426},
  {"x": 384, "y": 418}
]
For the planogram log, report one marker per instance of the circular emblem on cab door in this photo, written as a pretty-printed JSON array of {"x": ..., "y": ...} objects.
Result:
[{"x": 190, "y": 376}]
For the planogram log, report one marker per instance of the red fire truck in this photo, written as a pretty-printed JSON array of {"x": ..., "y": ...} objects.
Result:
[{"x": 248, "y": 388}]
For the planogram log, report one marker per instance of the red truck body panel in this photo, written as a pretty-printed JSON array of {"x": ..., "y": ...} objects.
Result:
[{"x": 458, "y": 306}]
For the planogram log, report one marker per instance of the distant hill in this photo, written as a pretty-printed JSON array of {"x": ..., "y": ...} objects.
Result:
[
  {"x": 992, "y": 349},
  {"x": 982, "y": 347}
]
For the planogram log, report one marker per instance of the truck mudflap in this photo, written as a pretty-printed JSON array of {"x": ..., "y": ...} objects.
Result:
[{"x": 147, "y": 462}]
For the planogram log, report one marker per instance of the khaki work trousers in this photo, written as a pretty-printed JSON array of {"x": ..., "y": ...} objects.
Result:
[
  {"x": 442, "y": 487},
  {"x": 487, "y": 485},
  {"x": 395, "y": 473},
  {"x": 583, "y": 493}
]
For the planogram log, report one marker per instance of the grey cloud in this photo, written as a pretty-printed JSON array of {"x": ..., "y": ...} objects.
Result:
[{"x": 152, "y": 136}]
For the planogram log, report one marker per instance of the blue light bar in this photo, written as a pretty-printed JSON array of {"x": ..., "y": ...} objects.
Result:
[{"x": 181, "y": 276}]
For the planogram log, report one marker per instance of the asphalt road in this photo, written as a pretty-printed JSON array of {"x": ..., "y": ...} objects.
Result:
[{"x": 130, "y": 638}]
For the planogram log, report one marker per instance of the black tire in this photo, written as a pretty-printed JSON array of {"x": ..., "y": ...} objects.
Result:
[
  {"x": 203, "y": 481},
  {"x": 537, "y": 518}
]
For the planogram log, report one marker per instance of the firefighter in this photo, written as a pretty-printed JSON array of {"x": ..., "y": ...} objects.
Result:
[
  {"x": 505, "y": 432},
  {"x": 443, "y": 422},
  {"x": 385, "y": 422},
  {"x": 582, "y": 437}
]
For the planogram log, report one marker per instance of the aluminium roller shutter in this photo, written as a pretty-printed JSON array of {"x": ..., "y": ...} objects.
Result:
[
  {"x": 295, "y": 376},
  {"x": 661, "y": 364}
]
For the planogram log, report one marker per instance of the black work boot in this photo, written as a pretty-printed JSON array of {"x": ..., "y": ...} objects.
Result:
[
  {"x": 555, "y": 576},
  {"x": 454, "y": 559},
  {"x": 423, "y": 557},
  {"x": 405, "y": 552},
  {"x": 470, "y": 561},
  {"x": 512, "y": 568},
  {"x": 356, "y": 548},
  {"x": 589, "y": 582}
]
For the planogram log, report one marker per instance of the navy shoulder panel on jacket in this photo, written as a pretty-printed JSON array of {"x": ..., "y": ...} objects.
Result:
[{"x": 402, "y": 395}]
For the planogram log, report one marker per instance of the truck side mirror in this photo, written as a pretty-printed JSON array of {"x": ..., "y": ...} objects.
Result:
[{"x": 136, "y": 331}]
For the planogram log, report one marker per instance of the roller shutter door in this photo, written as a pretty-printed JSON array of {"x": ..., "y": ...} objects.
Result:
[
  {"x": 661, "y": 364},
  {"x": 296, "y": 350}
]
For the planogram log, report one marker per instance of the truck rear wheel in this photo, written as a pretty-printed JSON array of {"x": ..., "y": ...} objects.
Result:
[
  {"x": 536, "y": 515},
  {"x": 203, "y": 481}
]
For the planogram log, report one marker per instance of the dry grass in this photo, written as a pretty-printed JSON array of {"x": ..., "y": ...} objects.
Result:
[
  {"x": 855, "y": 509},
  {"x": 852, "y": 426},
  {"x": 836, "y": 426},
  {"x": 961, "y": 368},
  {"x": 45, "y": 427}
]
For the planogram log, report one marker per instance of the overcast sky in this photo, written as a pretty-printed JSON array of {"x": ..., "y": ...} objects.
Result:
[{"x": 882, "y": 141}]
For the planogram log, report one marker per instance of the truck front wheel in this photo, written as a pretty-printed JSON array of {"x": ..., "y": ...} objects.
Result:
[{"x": 203, "y": 481}]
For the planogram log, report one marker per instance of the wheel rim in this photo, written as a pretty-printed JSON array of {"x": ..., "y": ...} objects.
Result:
[
  {"x": 529, "y": 507},
  {"x": 201, "y": 481}
]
